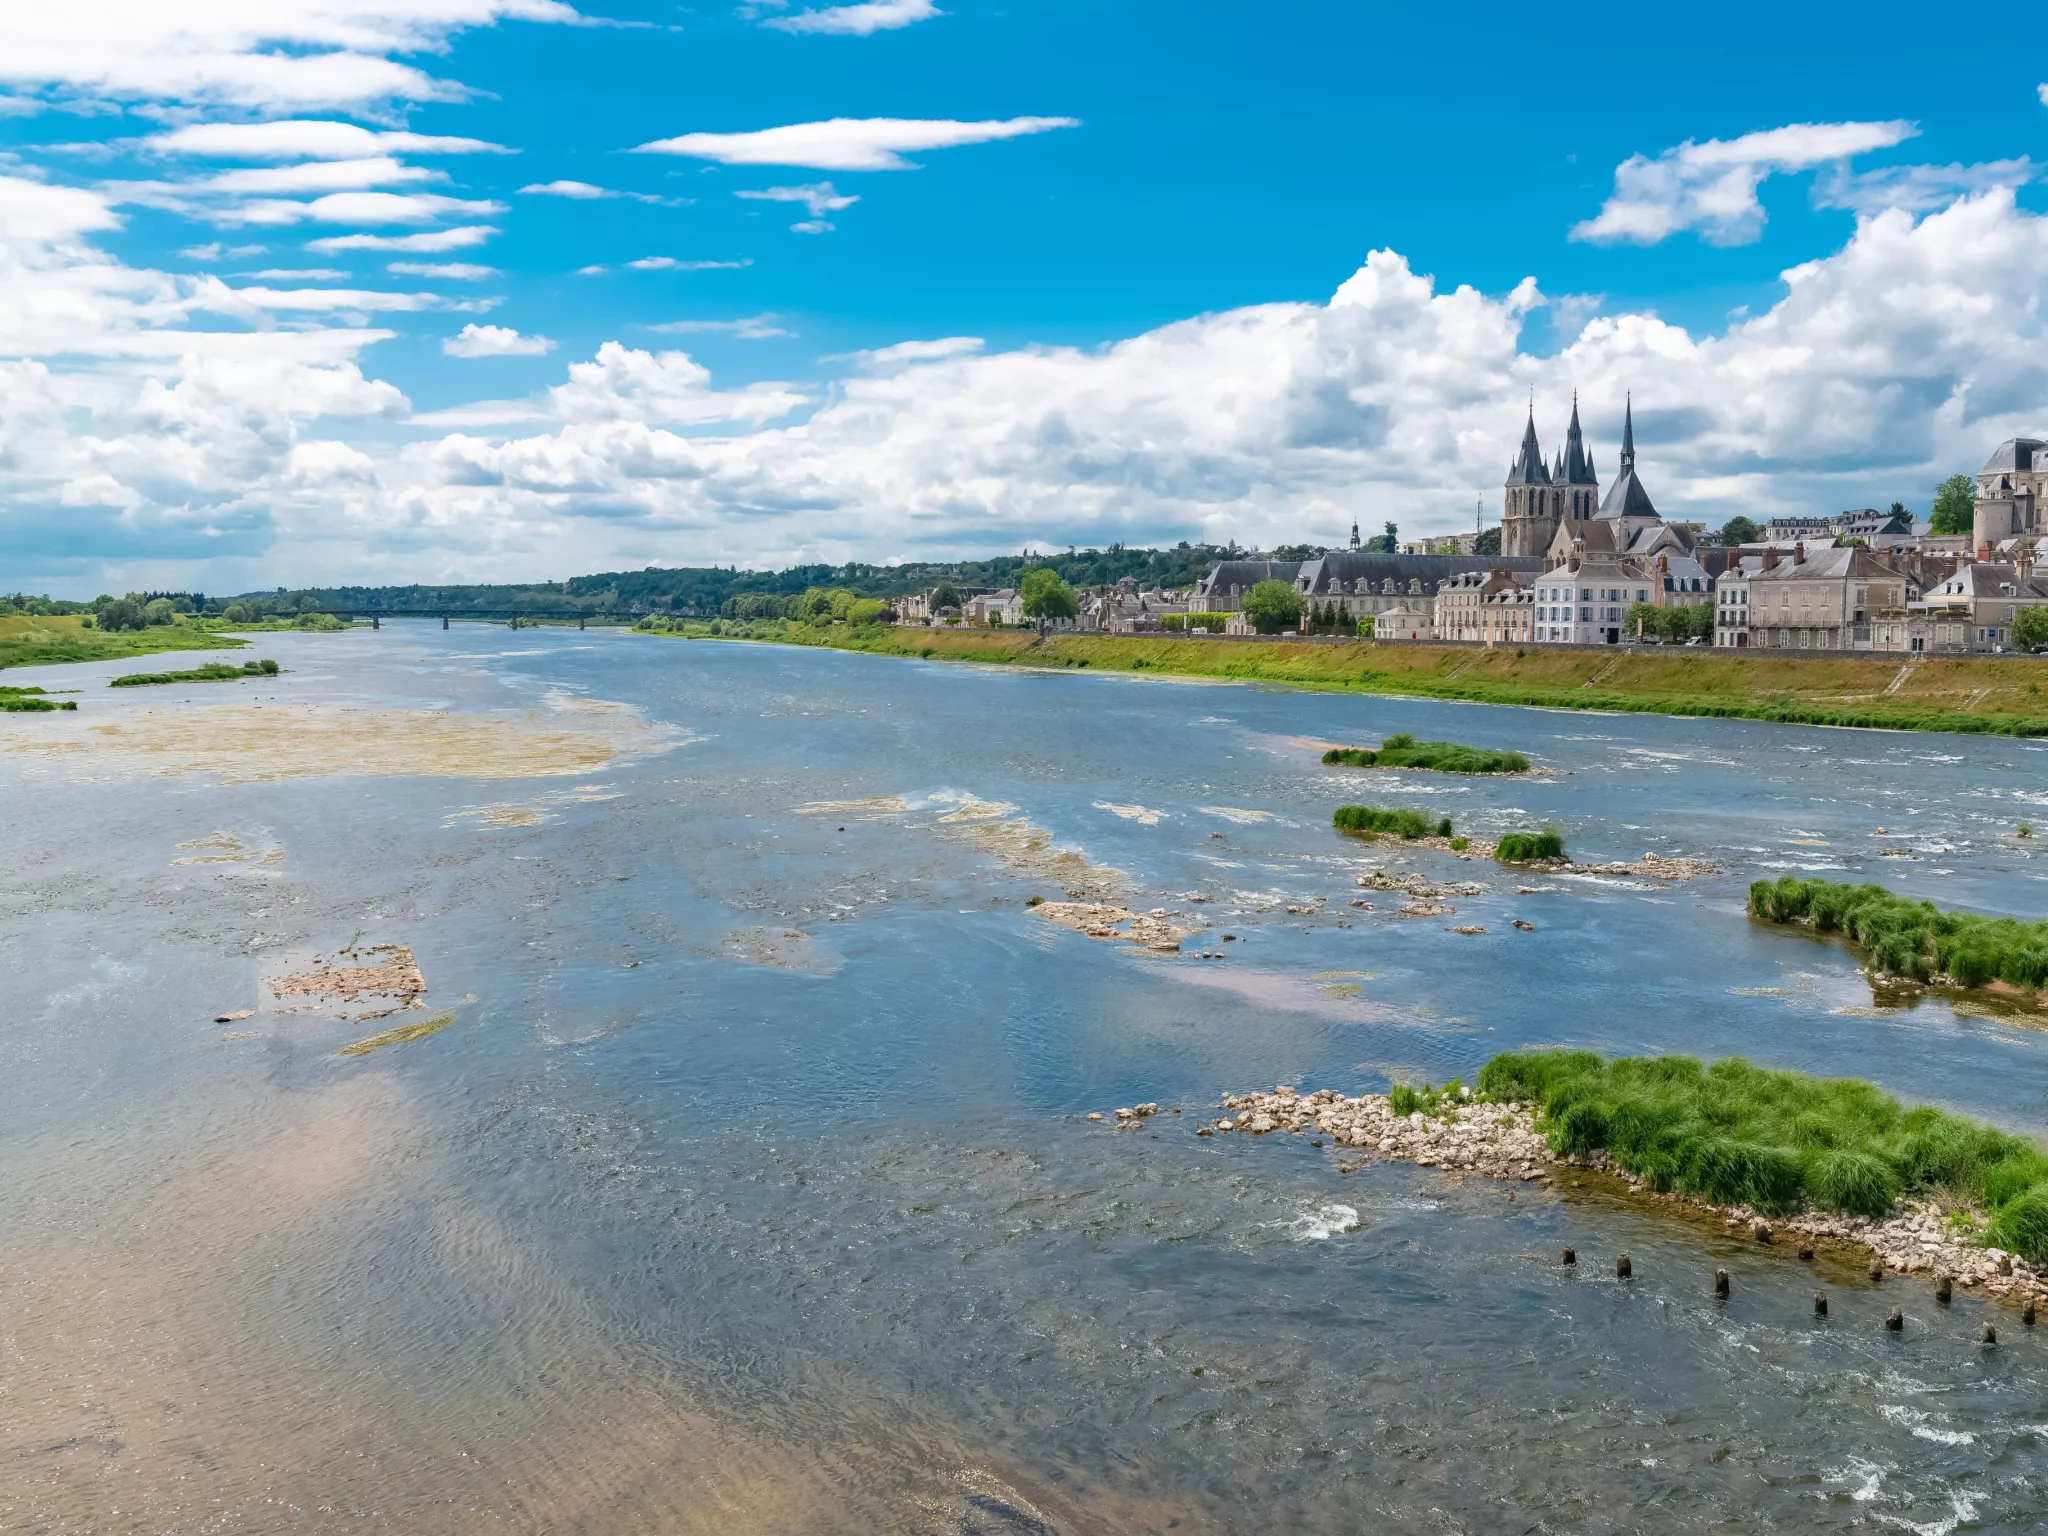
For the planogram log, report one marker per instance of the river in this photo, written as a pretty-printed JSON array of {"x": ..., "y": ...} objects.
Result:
[{"x": 748, "y": 1184}]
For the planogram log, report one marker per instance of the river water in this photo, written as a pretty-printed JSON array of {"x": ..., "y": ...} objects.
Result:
[{"x": 749, "y": 1184}]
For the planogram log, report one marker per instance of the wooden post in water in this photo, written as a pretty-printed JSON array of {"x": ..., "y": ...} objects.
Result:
[
  {"x": 1941, "y": 1289},
  {"x": 1570, "y": 1256},
  {"x": 1896, "y": 1322},
  {"x": 1820, "y": 1303},
  {"x": 1623, "y": 1270},
  {"x": 1721, "y": 1283},
  {"x": 444, "y": 621},
  {"x": 1990, "y": 1334}
]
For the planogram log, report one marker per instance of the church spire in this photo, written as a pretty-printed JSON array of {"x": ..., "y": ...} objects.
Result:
[
  {"x": 1578, "y": 464},
  {"x": 1628, "y": 433},
  {"x": 1528, "y": 467}
]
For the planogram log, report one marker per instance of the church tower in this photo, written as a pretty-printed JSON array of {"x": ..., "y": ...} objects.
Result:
[
  {"x": 1529, "y": 515},
  {"x": 1578, "y": 488}
]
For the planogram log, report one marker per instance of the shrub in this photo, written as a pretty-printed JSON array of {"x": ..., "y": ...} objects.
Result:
[
  {"x": 2021, "y": 1224},
  {"x": 1366, "y": 821},
  {"x": 1272, "y": 606},
  {"x": 1529, "y": 848},
  {"x": 1460, "y": 844}
]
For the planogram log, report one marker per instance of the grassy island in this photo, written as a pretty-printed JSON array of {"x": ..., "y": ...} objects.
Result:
[
  {"x": 1366, "y": 821},
  {"x": 212, "y": 672},
  {"x": 1908, "y": 938},
  {"x": 1974, "y": 694},
  {"x": 1737, "y": 1134},
  {"x": 30, "y": 701},
  {"x": 1404, "y": 751},
  {"x": 1529, "y": 848}
]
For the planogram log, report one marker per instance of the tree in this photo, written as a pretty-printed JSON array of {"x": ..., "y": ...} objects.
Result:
[
  {"x": 945, "y": 595},
  {"x": 1296, "y": 551},
  {"x": 1047, "y": 597},
  {"x": 1645, "y": 621},
  {"x": 1740, "y": 530},
  {"x": 2030, "y": 629},
  {"x": 1488, "y": 542},
  {"x": 158, "y": 610},
  {"x": 1899, "y": 509},
  {"x": 1387, "y": 543},
  {"x": 1955, "y": 506},
  {"x": 1272, "y": 606},
  {"x": 122, "y": 613}
]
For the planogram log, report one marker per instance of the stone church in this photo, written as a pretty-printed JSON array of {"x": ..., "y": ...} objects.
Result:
[{"x": 1541, "y": 499}]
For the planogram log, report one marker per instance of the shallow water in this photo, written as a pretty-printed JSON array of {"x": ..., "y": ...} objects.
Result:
[{"x": 748, "y": 1187}]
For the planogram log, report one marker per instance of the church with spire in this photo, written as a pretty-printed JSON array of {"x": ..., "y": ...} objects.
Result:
[{"x": 1542, "y": 498}]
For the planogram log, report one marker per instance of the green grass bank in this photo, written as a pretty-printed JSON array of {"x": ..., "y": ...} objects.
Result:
[
  {"x": 27, "y": 640},
  {"x": 1738, "y": 1134},
  {"x": 1972, "y": 695},
  {"x": 212, "y": 672}
]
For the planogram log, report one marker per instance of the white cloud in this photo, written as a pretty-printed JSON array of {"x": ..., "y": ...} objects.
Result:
[
  {"x": 673, "y": 264},
  {"x": 814, "y": 226},
  {"x": 592, "y": 271},
  {"x": 848, "y": 143},
  {"x": 494, "y": 341},
  {"x": 583, "y": 191},
  {"x": 1917, "y": 188},
  {"x": 306, "y": 139},
  {"x": 623, "y": 384},
  {"x": 752, "y": 328},
  {"x": 297, "y": 274},
  {"x": 1711, "y": 187},
  {"x": 880, "y": 359},
  {"x": 360, "y": 208},
  {"x": 312, "y": 176},
  {"x": 350, "y": 300},
  {"x": 259, "y": 55},
  {"x": 819, "y": 198},
  {"x": 2044, "y": 93},
  {"x": 428, "y": 243},
  {"x": 457, "y": 271},
  {"x": 858, "y": 20}
]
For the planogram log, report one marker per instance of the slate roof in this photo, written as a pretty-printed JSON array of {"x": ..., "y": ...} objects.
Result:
[
  {"x": 1527, "y": 468},
  {"x": 2016, "y": 453},
  {"x": 1352, "y": 566}
]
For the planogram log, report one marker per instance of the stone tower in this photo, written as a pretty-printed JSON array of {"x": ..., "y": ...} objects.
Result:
[{"x": 1540, "y": 497}]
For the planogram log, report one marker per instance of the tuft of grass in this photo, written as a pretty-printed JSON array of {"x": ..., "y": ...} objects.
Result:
[
  {"x": 1404, "y": 1099},
  {"x": 1529, "y": 848},
  {"x": 1736, "y": 1133},
  {"x": 1915, "y": 939},
  {"x": 1404, "y": 751},
  {"x": 212, "y": 672},
  {"x": 1367, "y": 821}
]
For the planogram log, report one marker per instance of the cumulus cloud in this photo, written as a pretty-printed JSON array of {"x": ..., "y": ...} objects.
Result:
[
  {"x": 848, "y": 143},
  {"x": 306, "y": 139},
  {"x": 1711, "y": 187},
  {"x": 819, "y": 198},
  {"x": 858, "y": 20},
  {"x": 495, "y": 341},
  {"x": 258, "y": 55},
  {"x": 430, "y": 242},
  {"x": 878, "y": 359},
  {"x": 623, "y": 384}
]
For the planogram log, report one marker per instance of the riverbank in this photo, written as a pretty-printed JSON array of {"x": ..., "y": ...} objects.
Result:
[
  {"x": 1474, "y": 1137},
  {"x": 27, "y": 640},
  {"x": 1970, "y": 695}
]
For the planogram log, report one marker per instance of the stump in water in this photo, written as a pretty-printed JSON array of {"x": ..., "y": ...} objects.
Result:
[
  {"x": 1990, "y": 1335},
  {"x": 1806, "y": 1255},
  {"x": 1721, "y": 1283},
  {"x": 1876, "y": 1270},
  {"x": 1622, "y": 1268},
  {"x": 1942, "y": 1291},
  {"x": 1820, "y": 1303},
  {"x": 1570, "y": 1256},
  {"x": 1896, "y": 1322}
]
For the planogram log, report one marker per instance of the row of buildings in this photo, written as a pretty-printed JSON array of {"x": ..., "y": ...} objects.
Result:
[{"x": 1581, "y": 567}]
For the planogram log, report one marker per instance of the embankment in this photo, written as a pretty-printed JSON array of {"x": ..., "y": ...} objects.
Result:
[{"x": 1974, "y": 695}]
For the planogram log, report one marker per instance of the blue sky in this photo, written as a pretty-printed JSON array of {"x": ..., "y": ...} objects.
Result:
[{"x": 1122, "y": 267}]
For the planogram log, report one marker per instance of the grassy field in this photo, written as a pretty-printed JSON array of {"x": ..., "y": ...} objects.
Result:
[
  {"x": 1978, "y": 695},
  {"x": 1739, "y": 1134},
  {"x": 28, "y": 641}
]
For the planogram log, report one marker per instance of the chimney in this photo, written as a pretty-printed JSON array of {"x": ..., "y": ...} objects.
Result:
[
  {"x": 1799, "y": 553},
  {"x": 1770, "y": 557},
  {"x": 1983, "y": 551},
  {"x": 1664, "y": 565}
]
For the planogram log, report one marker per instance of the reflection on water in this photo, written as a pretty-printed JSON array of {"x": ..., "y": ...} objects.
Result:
[{"x": 747, "y": 1184}]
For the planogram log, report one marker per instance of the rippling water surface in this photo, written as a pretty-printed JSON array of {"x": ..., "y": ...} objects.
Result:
[{"x": 747, "y": 1186}]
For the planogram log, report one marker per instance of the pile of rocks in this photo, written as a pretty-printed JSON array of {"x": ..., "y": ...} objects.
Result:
[
  {"x": 1099, "y": 920},
  {"x": 1651, "y": 866},
  {"x": 1495, "y": 1139}
]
